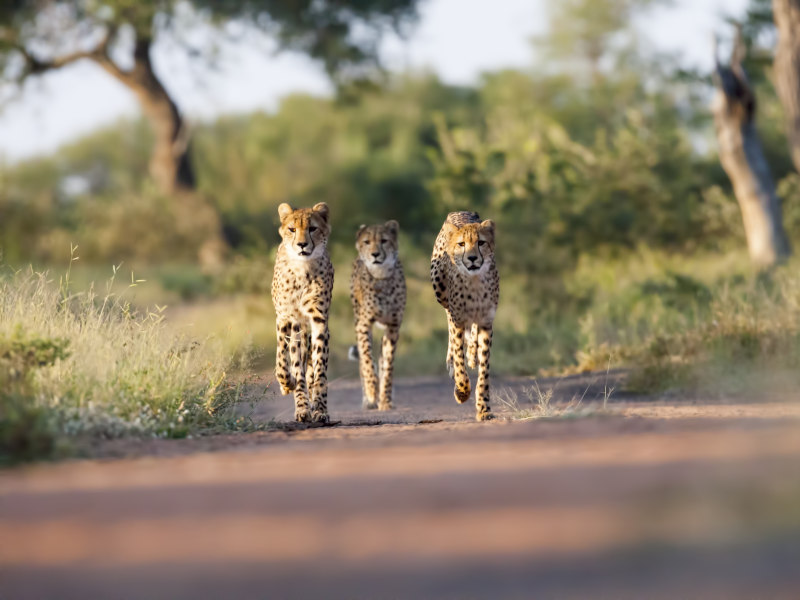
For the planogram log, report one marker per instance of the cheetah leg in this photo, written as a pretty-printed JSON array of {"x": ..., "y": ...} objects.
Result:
[
  {"x": 299, "y": 344},
  {"x": 366, "y": 365},
  {"x": 282, "y": 372},
  {"x": 451, "y": 333},
  {"x": 483, "y": 410},
  {"x": 462, "y": 386},
  {"x": 389, "y": 345},
  {"x": 320, "y": 338},
  {"x": 298, "y": 355},
  {"x": 472, "y": 347}
]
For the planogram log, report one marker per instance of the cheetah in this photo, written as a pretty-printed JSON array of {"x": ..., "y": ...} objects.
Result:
[
  {"x": 467, "y": 285},
  {"x": 301, "y": 292},
  {"x": 378, "y": 294}
]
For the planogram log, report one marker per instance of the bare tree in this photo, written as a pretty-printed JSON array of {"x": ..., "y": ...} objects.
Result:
[{"x": 742, "y": 157}]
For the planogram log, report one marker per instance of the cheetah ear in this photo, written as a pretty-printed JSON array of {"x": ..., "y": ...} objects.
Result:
[
  {"x": 488, "y": 227},
  {"x": 322, "y": 210},
  {"x": 392, "y": 227},
  {"x": 360, "y": 230},
  {"x": 284, "y": 210}
]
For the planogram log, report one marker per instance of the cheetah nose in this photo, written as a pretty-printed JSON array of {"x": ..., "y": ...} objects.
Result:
[
  {"x": 473, "y": 258},
  {"x": 376, "y": 254},
  {"x": 302, "y": 244}
]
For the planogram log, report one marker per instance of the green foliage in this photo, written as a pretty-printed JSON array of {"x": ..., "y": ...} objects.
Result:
[
  {"x": 588, "y": 30},
  {"x": 26, "y": 429},
  {"x": 743, "y": 336},
  {"x": 638, "y": 186},
  {"x": 367, "y": 161},
  {"x": 342, "y": 34}
]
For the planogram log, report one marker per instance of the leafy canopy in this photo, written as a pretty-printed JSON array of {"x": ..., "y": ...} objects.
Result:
[{"x": 343, "y": 34}]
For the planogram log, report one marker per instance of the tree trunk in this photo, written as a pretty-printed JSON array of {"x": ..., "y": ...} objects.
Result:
[
  {"x": 787, "y": 69},
  {"x": 743, "y": 159},
  {"x": 170, "y": 166}
]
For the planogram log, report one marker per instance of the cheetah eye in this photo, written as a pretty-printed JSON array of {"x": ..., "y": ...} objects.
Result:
[
  {"x": 292, "y": 229},
  {"x": 481, "y": 242},
  {"x": 462, "y": 244},
  {"x": 312, "y": 229}
]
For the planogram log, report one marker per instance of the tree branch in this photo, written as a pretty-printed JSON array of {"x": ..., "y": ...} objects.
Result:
[{"x": 37, "y": 66}]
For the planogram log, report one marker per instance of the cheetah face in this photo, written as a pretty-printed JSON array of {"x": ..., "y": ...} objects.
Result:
[
  {"x": 377, "y": 246},
  {"x": 304, "y": 231},
  {"x": 471, "y": 247}
]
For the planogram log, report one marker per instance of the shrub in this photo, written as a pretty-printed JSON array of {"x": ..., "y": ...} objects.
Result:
[{"x": 26, "y": 431}]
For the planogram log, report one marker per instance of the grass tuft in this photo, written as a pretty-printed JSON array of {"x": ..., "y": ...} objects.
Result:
[{"x": 84, "y": 363}]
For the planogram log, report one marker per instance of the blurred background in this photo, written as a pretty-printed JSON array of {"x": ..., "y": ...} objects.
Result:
[{"x": 152, "y": 142}]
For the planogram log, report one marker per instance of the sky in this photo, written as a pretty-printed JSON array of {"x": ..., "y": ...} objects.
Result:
[{"x": 458, "y": 39}]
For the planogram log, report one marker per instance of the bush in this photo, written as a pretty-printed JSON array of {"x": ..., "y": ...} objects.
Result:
[{"x": 26, "y": 431}]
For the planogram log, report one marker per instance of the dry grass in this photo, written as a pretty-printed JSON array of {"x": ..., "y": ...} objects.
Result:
[
  {"x": 116, "y": 370},
  {"x": 538, "y": 404}
]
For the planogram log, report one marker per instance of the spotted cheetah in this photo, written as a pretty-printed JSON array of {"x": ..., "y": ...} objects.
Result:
[
  {"x": 301, "y": 292},
  {"x": 378, "y": 294},
  {"x": 467, "y": 285}
]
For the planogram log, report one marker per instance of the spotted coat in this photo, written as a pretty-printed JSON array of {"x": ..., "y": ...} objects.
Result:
[
  {"x": 301, "y": 292},
  {"x": 467, "y": 285},
  {"x": 378, "y": 294}
]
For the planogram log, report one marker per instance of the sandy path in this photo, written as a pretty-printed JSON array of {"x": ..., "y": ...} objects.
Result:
[{"x": 657, "y": 500}]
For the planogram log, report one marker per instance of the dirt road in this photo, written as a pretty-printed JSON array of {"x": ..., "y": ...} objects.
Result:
[{"x": 644, "y": 499}]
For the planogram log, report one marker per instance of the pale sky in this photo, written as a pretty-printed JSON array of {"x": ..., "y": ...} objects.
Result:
[{"x": 458, "y": 39}]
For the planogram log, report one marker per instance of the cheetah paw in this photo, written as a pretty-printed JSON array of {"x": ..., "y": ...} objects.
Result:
[
  {"x": 302, "y": 415},
  {"x": 461, "y": 395},
  {"x": 485, "y": 416},
  {"x": 319, "y": 416},
  {"x": 368, "y": 405},
  {"x": 385, "y": 406}
]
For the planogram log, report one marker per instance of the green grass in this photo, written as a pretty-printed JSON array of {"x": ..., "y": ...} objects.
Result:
[
  {"x": 87, "y": 362},
  {"x": 706, "y": 324}
]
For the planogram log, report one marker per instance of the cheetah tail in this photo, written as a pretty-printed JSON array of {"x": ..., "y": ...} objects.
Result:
[
  {"x": 472, "y": 347},
  {"x": 352, "y": 353}
]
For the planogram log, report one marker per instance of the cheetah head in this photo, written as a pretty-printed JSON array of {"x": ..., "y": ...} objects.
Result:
[
  {"x": 304, "y": 231},
  {"x": 471, "y": 246},
  {"x": 377, "y": 247}
]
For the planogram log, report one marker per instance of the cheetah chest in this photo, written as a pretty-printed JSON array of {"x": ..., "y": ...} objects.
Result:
[
  {"x": 383, "y": 299},
  {"x": 302, "y": 286},
  {"x": 473, "y": 299}
]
